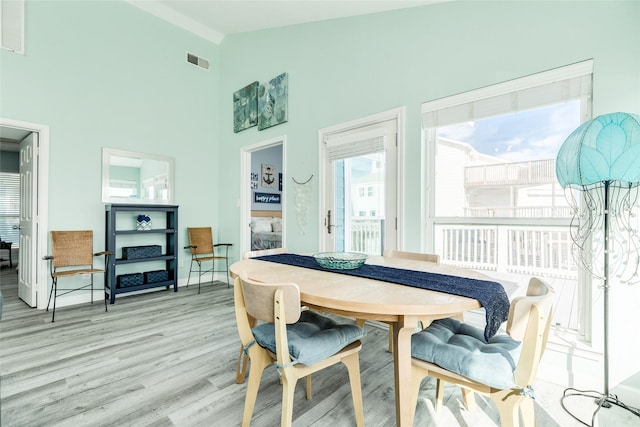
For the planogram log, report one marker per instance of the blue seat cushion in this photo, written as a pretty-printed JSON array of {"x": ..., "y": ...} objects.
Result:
[
  {"x": 461, "y": 348},
  {"x": 313, "y": 338}
]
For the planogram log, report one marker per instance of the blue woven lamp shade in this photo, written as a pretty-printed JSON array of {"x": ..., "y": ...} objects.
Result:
[{"x": 606, "y": 148}]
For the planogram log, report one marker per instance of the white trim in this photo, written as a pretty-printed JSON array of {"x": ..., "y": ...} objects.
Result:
[
  {"x": 173, "y": 17},
  {"x": 245, "y": 195},
  {"x": 545, "y": 77},
  {"x": 43, "y": 203}
]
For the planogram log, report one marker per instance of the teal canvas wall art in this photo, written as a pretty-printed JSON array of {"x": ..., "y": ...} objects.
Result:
[
  {"x": 245, "y": 107},
  {"x": 272, "y": 102}
]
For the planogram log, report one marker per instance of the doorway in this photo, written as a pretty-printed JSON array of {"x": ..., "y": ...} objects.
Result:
[
  {"x": 262, "y": 197},
  {"x": 32, "y": 140},
  {"x": 360, "y": 185}
]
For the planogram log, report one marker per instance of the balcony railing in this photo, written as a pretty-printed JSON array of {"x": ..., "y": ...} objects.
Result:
[
  {"x": 539, "y": 250},
  {"x": 517, "y": 173},
  {"x": 530, "y": 250},
  {"x": 367, "y": 235},
  {"x": 508, "y": 250}
]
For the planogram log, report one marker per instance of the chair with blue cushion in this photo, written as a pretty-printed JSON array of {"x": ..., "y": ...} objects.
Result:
[
  {"x": 243, "y": 361},
  {"x": 502, "y": 368},
  {"x": 299, "y": 341}
]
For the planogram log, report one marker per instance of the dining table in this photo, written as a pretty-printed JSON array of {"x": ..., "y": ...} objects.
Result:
[{"x": 363, "y": 298}]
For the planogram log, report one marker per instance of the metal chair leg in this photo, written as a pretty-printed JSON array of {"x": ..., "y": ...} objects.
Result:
[
  {"x": 199, "y": 275},
  {"x": 50, "y": 293},
  {"x": 55, "y": 296},
  {"x": 54, "y": 292}
]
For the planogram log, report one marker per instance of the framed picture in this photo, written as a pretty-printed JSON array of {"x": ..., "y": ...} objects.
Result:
[
  {"x": 254, "y": 176},
  {"x": 245, "y": 107},
  {"x": 268, "y": 176},
  {"x": 254, "y": 185},
  {"x": 266, "y": 198},
  {"x": 273, "y": 102}
]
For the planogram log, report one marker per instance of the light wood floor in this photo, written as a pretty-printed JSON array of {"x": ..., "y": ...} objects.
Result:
[{"x": 169, "y": 359}]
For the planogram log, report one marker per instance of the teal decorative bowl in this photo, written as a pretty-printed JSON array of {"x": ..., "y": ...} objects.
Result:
[{"x": 340, "y": 260}]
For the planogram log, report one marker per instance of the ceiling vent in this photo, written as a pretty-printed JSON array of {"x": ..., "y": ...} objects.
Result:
[{"x": 196, "y": 60}]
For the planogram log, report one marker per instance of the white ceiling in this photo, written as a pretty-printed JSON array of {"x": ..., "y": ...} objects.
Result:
[{"x": 214, "y": 19}]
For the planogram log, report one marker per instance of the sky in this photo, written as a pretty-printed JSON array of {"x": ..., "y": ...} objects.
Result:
[{"x": 534, "y": 134}]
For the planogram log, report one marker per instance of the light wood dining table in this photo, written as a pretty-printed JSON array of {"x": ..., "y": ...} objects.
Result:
[{"x": 370, "y": 299}]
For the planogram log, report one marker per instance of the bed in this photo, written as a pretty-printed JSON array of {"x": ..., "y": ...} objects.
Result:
[{"x": 266, "y": 230}]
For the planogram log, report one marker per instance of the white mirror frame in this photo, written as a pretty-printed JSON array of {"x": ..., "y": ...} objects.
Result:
[{"x": 111, "y": 157}]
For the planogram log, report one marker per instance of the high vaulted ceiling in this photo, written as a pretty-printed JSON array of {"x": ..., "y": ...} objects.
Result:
[{"x": 214, "y": 19}]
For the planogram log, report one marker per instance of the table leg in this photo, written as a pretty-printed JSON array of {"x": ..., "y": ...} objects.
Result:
[{"x": 402, "y": 331}]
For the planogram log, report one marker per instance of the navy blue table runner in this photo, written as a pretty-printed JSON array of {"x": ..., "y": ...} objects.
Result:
[{"x": 491, "y": 295}]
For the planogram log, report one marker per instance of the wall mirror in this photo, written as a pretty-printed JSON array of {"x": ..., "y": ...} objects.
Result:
[{"x": 138, "y": 178}]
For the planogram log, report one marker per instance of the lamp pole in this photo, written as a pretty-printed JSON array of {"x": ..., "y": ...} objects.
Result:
[{"x": 606, "y": 294}]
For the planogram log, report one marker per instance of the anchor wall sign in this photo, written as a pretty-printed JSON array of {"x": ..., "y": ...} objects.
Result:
[{"x": 268, "y": 176}]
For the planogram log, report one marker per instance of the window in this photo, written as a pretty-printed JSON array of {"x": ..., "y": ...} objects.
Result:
[
  {"x": 495, "y": 203},
  {"x": 10, "y": 207},
  {"x": 370, "y": 191},
  {"x": 372, "y": 213}
]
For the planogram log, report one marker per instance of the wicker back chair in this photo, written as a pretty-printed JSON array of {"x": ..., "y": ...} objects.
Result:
[
  {"x": 204, "y": 250},
  {"x": 72, "y": 255}
]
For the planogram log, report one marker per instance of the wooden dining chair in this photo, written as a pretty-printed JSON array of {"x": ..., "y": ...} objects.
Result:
[
  {"x": 389, "y": 253},
  {"x": 299, "y": 342},
  {"x": 243, "y": 359},
  {"x": 72, "y": 255},
  {"x": 203, "y": 250},
  {"x": 502, "y": 368}
]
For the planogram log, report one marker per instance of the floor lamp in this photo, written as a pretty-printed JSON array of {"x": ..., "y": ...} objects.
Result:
[{"x": 601, "y": 159}]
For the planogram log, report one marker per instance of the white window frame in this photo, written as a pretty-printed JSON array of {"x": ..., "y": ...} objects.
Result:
[{"x": 450, "y": 110}]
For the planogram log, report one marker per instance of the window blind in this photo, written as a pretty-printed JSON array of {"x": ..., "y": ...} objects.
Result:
[
  {"x": 546, "y": 88},
  {"x": 9, "y": 206},
  {"x": 355, "y": 145}
]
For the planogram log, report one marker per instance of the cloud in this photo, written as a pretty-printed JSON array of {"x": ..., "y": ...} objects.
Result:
[{"x": 527, "y": 135}]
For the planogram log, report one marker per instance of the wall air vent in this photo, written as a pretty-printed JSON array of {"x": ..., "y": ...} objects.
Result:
[{"x": 196, "y": 60}]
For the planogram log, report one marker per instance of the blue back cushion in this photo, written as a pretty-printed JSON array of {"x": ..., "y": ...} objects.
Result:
[
  {"x": 313, "y": 338},
  {"x": 461, "y": 348}
]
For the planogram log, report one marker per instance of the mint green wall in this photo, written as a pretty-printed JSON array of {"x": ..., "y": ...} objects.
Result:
[
  {"x": 128, "y": 86},
  {"x": 345, "y": 69},
  {"x": 106, "y": 74}
]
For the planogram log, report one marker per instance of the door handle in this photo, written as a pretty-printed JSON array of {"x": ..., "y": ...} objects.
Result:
[{"x": 328, "y": 222}]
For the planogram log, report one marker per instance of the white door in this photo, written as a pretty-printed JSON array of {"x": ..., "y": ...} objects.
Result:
[
  {"x": 360, "y": 189},
  {"x": 27, "y": 256}
]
